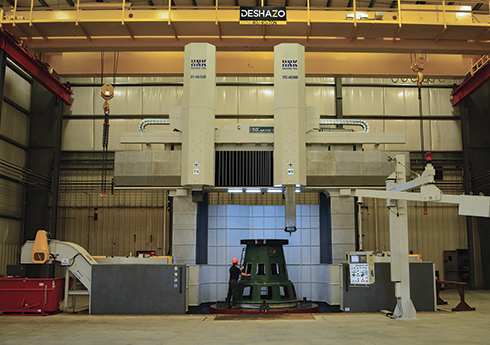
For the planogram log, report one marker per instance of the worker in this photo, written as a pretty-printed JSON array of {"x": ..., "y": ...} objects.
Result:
[{"x": 235, "y": 273}]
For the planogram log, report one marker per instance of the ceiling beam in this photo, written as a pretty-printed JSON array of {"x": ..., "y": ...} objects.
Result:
[
  {"x": 43, "y": 3},
  {"x": 150, "y": 3},
  {"x": 394, "y": 4},
  {"x": 262, "y": 64},
  {"x": 372, "y": 3},
  {"x": 477, "y": 6},
  {"x": 257, "y": 43},
  {"x": 34, "y": 68},
  {"x": 70, "y": 3}
]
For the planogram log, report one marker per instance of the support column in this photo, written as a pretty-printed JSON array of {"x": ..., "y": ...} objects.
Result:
[
  {"x": 289, "y": 124},
  {"x": 343, "y": 226},
  {"x": 198, "y": 115},
  {"x": 184, "y": 225},
  {"x": 400, "y": 269}
]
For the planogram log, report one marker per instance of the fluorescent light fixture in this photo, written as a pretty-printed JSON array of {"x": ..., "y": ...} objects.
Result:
[
  {"x": 253, "y": 190},
  {"x": 277, "y": 185},
  {"x": 235, "y": 190},
  {"x": 298, "y": 185},
  {"x": 274, "y": 190},
  {"x": 298, "y": 190}
]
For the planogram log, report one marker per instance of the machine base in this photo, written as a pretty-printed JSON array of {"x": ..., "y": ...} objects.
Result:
[{"x": 311, "y": 308}]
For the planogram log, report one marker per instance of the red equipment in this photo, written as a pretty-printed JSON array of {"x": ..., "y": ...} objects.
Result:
[{"x": 40, "y": 296}]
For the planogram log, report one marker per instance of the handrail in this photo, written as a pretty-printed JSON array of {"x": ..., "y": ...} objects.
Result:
[{"x": 401, "y": 9}]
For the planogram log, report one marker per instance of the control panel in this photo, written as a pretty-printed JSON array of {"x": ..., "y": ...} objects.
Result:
[{"x": 361, "y": 268}]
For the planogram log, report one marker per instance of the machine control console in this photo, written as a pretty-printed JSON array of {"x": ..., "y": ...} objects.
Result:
[{"x": 361, "y": 268}]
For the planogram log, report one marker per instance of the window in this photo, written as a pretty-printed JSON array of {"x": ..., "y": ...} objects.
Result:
[
  {"x": 247, "y": 292},
  {"x": 260, "y": 269},
  {"x": 248, "y": 268},
  {"x": 266, "y": 292},
  {"x": 274, "y": 269},
  {"x": 284, "y": 291}
]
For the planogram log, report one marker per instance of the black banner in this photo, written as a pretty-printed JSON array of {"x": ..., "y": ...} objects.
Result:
[{"x": 262, "y": 13}]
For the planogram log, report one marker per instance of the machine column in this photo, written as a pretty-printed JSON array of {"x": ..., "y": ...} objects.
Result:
[
  {"x": 289, "y": 123},
  {"x": 198, "y": 115},
  {"x": 400, "y": 267}
]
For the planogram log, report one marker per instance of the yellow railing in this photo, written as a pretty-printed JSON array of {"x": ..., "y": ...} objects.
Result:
[{"x": 405, "y": 9}]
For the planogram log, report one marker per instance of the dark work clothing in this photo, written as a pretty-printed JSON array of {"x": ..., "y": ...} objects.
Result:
[
  {"x": 232, "y": 293},
  {"x": 232, "y": 296},
  {"x": 234, "y": 272}
]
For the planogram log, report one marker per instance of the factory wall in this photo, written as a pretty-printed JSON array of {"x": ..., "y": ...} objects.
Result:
[
  {"x": 14, "y": 133},
  {"x": 429, "y": 235},
  {"x": 117, "y": 225},
  {"x": 388, "y": 107}
]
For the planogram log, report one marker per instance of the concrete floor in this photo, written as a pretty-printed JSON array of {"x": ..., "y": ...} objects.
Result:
[{"x": 443, "y": 327}]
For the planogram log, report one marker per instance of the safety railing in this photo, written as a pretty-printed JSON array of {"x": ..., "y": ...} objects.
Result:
[{"x": 465, "y": 13}]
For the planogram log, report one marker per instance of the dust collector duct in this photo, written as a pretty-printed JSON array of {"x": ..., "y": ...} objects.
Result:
[
  {"x": 349, "y": 122},
  {"x": 152, "y": 122}
]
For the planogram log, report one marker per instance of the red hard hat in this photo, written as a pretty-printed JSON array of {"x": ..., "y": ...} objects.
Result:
[{"x": 234, "y": 261}]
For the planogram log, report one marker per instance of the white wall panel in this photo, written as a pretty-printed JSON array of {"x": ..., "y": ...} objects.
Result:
[
  {"x": 255, "y": 79},
  {"x": 14, "y": 124},
  {"x": 163, "y": 79},
  {"x": 12, "y": 153},
  {"x": 446, "y": 135},
  {"x": 440, "y": 102},
  {"x": 82, "y": 101},
  {"x": 159, "y": 100},
  {"x": 404, "y": 101},
  {"x": 116, "y": 128},
  {"x": 126, "y": 101},
  {"x": 228, "y": 224},
  {"x": 319, "y": 80},
  {"x": 362, "y": 101},
  {"x": 17, "y": 89},
  {"x": 321, "y": 97},
  {"x": 226, "y": 79},
  {"x": 226, "y": 100},
  {"x": 362, "y": 80},
  {"x": 78, "y": 135},
  {"x": 411, "y": 128},
  {"x": 256, "y": 100}
]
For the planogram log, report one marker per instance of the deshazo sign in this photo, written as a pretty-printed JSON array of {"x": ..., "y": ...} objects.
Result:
[{"x": 262, "y": 15}]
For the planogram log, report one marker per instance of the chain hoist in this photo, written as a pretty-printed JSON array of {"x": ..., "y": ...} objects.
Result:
[{"x": 107, "y": 93}]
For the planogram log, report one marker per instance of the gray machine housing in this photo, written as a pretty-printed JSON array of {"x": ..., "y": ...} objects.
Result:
[
  {"x": 138, "y": 289},
  {"x": 381, "y": 294}
]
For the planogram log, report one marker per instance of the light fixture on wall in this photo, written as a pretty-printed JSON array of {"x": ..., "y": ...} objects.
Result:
[
  {"x": 253, "y": 190},
  {"x": 235, "y": 190},
  {"x": 274, "y": 190}
]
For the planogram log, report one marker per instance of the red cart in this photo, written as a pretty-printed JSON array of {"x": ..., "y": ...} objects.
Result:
[{"x": 39, "y": 296}]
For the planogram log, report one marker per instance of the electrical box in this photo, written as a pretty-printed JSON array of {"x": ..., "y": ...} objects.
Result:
[{"x": 361, "y": 268}]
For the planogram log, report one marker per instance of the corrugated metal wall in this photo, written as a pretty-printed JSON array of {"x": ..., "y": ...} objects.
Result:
[
  {"x": 14, "y": 129},
  {"x": 119, "y": 224},
  {"x": 441, "y": 229},
  {"x": 363, "y": 98}
]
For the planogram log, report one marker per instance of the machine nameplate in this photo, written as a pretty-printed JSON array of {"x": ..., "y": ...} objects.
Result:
[{"x": 261, "y": 129}]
